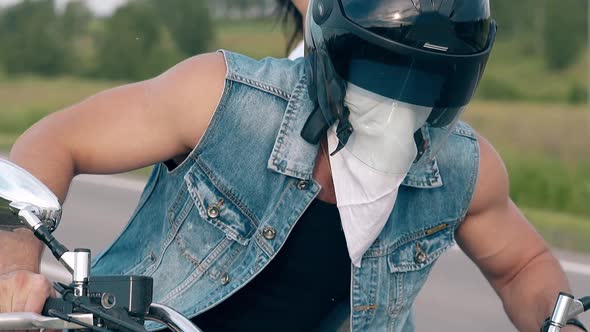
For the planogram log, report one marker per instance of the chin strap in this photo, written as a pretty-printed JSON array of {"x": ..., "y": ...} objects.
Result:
[
  {"x": 327, "y": 91},
  {"x": 343, "y": 131}
]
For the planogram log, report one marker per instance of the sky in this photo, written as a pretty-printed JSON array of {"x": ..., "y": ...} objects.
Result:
[{"x": 99, "y": 7}]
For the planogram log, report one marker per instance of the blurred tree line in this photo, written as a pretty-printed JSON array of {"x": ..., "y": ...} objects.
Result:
[
  {"x": 554, "y": 29},
  {"x": 144, "y": 37}
]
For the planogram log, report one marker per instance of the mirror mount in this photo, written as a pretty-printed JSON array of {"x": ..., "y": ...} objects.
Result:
[
  {"x": 21, "y": 190},
  {"x": 77, "y": 262},
  {"x": 48, "y": 217}
]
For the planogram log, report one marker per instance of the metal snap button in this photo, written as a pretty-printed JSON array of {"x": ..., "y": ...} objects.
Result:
[
  {"x": 213, "y": 211},
  {"x": 421, "y": 256},
  {"x": 225, "y": 279},
  {"x": 269, "y": 233},
  {"x": 303, "y": 185}
]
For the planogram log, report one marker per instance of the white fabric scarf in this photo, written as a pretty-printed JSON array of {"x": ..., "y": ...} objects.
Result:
[{"x": 366, "y": 196}]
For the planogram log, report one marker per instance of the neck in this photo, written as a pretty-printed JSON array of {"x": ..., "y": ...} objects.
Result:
[
  {"x": 301, "y": 6},
  {"x": 323, "y": 174}
]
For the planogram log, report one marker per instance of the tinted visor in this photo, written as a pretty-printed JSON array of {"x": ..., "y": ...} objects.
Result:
[
  {"x": 461, "y": 26},
  {"x": 425, "y": 82},
  {"x": 443, "y": 85}
]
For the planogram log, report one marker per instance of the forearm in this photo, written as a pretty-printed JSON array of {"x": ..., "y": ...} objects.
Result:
[
  {"x": 530, "y": 296},
  {"x": 19, "y": 250},
  {"x": 39, "y": 152}
]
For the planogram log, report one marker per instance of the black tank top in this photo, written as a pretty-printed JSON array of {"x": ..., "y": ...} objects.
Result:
[{"x": 299, "y": 287}]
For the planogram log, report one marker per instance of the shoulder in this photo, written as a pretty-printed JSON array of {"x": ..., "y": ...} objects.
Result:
[
  {"x": 492, "y": 186},
  {"x": 276, "y": 76},
  {"x": 188, "y": 94},
  {"x": 489, "y": 180}
]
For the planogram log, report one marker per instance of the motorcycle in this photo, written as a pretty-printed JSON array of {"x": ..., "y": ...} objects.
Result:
[
  {"x": 94, "y": 303},
  {"x": 117, "y": 303}
]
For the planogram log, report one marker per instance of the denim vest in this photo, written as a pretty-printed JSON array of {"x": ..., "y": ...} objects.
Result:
[{"x": 207, "y": 227}]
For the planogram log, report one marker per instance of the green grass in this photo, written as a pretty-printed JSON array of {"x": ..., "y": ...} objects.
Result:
[
  {"x": 255, "y": 38},
  {"x": 512, "y": 75},
  {"x": 25, "y": 100},
  {"x": 549, "y": 183},
  {"x": 561, "y": 230},
  {"x": 545, "y": 148},
  {"x": 554, "y": 130}
]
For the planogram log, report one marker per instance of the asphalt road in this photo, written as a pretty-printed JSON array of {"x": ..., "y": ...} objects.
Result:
[{"x": 456, "y": 297}]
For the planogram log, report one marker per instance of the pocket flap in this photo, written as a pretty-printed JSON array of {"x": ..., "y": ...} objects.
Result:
[
  {"x": 217, "y": 208},
  {"x": 422, "y": 249}
]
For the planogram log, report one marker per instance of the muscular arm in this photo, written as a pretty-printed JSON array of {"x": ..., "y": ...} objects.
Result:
[
  {"x": 118, "y": 130},
  {"x": 507, "y": 249}
]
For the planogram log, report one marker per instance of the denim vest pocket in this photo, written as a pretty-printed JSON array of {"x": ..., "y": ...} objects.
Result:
[
  {"x": 218, "y": 207},
  {"x": 142, "y": 267},
  {"x": 117, "y": 266},
  {"x": 411, "y": 262}
]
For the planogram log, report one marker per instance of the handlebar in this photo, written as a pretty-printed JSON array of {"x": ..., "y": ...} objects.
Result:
[
  {"x": 31, "y": 321},
  {"x": 566, "y": 308},
  {"x": 171, "y": 318}
]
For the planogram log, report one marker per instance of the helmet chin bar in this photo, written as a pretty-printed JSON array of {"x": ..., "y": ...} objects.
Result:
[{"x": 77, "y": 262}]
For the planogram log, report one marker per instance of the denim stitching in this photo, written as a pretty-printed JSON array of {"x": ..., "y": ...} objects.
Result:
[
  {"x": 146, "y": 194},
  {"x": 264, "y": 246},
  {"x": 379, "y": 252},
  {"x": 143, "y": 265},
  {"x": 199, "y": 271},
  {"x": 399, "y": 282},
  {"x": 432, "y": 257},
  {"x": 177, "y": 219},
  {"x": 184, "y": 251},
  {"x": 262, "y": 86},
  {"x": 285, "y": 129},
  {"x": 431, "y": 175},
  {"x": 232, "y": 255},
  {"x": 216, "y": 117},
  {"x": 197, "y": 200},
  {"x": 175, "y": 226},
  {"x": 228, "y": 193},
  {"x": 469, "y": 195}
]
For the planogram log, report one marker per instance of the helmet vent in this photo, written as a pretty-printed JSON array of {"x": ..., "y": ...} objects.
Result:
[{"x": 436, "y": 47}]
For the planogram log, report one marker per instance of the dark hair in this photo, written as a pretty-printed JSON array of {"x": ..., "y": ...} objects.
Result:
[{"x": 287, "y": 12}]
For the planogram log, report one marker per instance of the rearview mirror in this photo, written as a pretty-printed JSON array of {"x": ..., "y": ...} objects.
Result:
[{"x": 19, "y": 189}]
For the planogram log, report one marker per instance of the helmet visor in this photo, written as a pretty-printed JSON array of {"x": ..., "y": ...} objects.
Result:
[
  {"x": 460, "y": 26},
  {"x": 443, "y": 86}
]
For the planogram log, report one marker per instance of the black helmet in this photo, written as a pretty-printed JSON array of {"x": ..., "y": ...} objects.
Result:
[{"x": 424, "y": 52}]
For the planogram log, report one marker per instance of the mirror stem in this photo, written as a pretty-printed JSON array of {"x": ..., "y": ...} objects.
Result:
[
  {"x": 28, "y": 217},
  {"x": 77, "y": 262}
]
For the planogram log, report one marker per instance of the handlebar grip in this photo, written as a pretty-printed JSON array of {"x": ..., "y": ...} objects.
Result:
[{"x": 57, "y": 304}]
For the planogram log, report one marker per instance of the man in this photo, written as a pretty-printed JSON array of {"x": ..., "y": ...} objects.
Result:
[{"x": 239, "y": 229}]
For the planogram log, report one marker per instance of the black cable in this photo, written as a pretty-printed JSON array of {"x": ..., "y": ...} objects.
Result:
[
  {"x": 62, "y": 316},
  {"x": 62, "y": 288},
  {"x": 576, "y": 322},
  {"x": 109, "y": 318}
]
